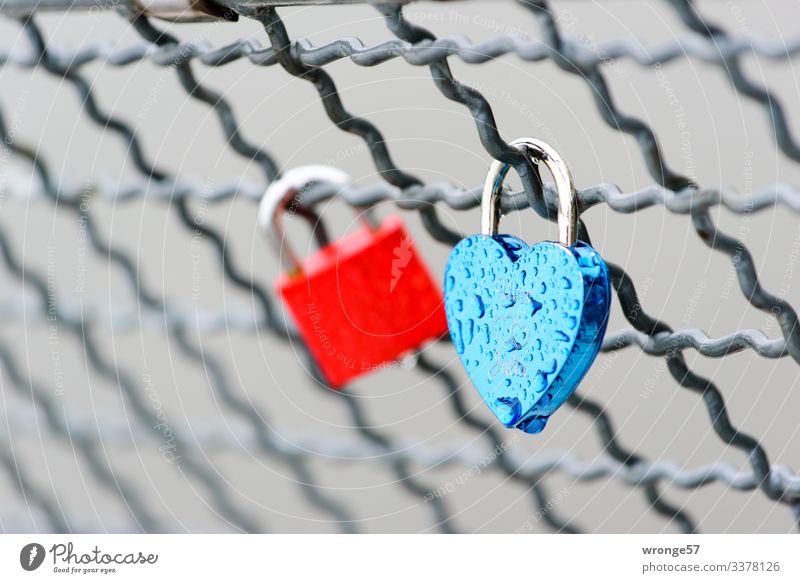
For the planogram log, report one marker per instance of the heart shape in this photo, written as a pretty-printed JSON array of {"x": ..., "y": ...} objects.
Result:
[{"x": 527, "y": 322}]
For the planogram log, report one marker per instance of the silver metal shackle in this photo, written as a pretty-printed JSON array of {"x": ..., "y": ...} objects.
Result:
[
  {"x": 538, "y": 151},
  {"x": 285, "y": 193}
]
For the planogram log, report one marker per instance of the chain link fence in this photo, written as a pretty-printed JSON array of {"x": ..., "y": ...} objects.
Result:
[{"x": 151, "y": 382}]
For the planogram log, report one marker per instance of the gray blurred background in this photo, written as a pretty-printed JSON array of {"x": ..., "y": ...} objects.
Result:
[{"x": 706, "y": 130}]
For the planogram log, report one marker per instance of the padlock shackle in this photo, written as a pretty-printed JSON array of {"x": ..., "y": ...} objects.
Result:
[
  {"x": 539, "y": 152},
  {"x": 318, "y": 230},
  {"x": 286, "y": 195}
]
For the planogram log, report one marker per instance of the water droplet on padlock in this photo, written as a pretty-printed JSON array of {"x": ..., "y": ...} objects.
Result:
[
  {"x": 508, "y": 410},
  {"x": 535, "y": 306},
  {"x": 458, "y": 340},
  {"x": 470, "y": 331},
  {"x": 533, "y": 425},
  {"x": 480, "y": 307},
  {"x": 539, "y": 381}
]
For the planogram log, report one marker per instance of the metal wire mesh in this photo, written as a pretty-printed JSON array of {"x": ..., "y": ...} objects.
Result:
[{"x": 40, "y": 411}]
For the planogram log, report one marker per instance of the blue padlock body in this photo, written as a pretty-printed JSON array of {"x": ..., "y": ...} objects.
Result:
[{"x": 527, "y": 322}]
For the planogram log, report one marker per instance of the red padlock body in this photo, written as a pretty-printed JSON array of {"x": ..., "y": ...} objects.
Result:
[{"x": 364, "y": 301}]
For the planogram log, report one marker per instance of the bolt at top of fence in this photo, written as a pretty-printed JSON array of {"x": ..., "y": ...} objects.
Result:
[
  {"x": 175, "y": 10},
  {"x": 181, "y": 10}
]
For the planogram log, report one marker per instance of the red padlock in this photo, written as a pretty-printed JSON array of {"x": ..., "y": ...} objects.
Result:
[{"x": 359, "y": 303}]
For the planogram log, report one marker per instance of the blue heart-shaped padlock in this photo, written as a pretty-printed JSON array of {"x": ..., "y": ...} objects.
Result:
[{"x": 526, "y": 321}]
